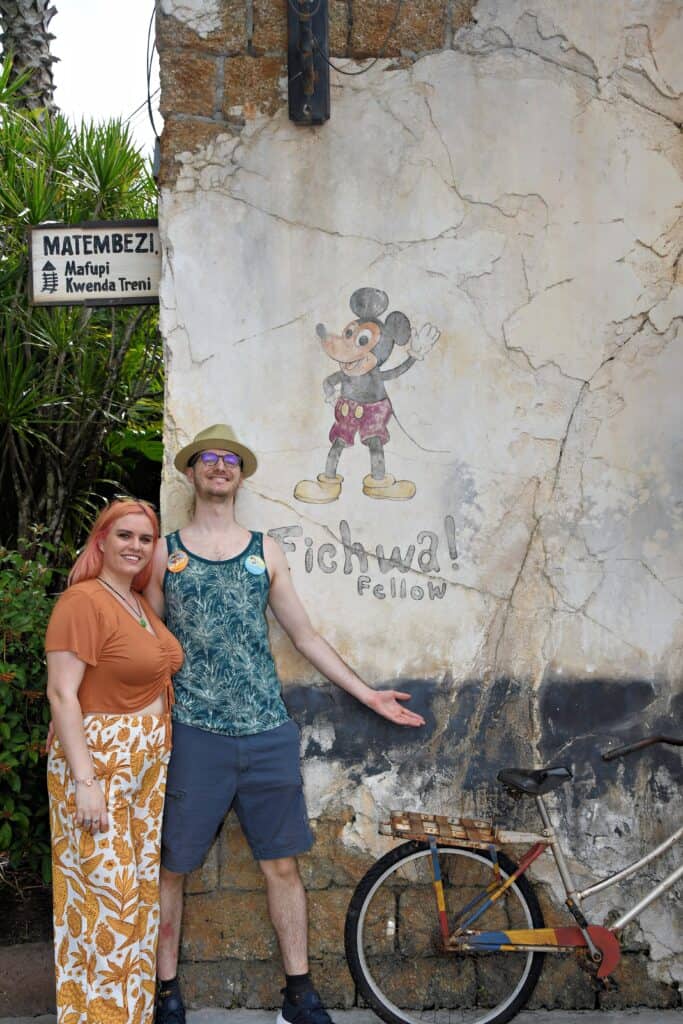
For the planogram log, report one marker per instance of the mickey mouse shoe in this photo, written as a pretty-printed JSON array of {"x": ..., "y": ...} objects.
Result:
[
  {"x": 388, "y": 487},
  {"x": 319, "y": 491}
]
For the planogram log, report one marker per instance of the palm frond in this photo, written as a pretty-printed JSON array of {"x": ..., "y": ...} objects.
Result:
[{"x": 81, "y": 389}]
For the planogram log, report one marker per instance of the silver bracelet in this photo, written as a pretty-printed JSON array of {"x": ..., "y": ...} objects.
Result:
[{"x": 86, "y": 782}]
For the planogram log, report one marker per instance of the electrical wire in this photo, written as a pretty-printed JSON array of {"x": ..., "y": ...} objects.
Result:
[
  {"x": 362, "y": 71},
  {"x": 141, "y": 106},
  {"x": 150, "y": 57}
]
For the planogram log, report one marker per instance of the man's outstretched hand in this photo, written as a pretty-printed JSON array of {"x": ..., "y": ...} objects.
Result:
[{"x": 387, "y": 704}]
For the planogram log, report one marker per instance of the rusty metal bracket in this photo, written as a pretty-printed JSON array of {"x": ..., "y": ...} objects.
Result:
[{"x": 308, "y": 75}]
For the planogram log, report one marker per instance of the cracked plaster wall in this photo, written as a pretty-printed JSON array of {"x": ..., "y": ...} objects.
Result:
[{"x": 520, "y": 189}]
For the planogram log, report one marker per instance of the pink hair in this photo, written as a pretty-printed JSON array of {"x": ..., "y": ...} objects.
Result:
[{"x": 89, "y": 563}]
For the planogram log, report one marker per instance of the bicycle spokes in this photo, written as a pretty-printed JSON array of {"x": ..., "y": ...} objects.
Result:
[{"x": 397, "y": 953}]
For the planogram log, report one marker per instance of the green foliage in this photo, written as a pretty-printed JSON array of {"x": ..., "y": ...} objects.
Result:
[
  {"x": 81, "y": 400},
  {"x": 11, "y": 84},
  {"x": 81, "y": 389},
  {"x": 26, "y": 587}
]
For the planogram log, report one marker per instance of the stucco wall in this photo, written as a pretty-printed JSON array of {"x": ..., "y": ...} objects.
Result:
[{"x": 509, "y": 177}]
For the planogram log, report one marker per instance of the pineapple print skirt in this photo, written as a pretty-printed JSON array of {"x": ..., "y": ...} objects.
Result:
[{"x": 106, "y": 885}]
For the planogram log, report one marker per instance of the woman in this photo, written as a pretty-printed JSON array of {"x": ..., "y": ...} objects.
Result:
[{"x": 110, "y": 661}]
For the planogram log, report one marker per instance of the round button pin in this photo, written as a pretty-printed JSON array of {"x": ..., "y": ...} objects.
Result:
[
  {"x": 255, "y": 565},
  {"x": 178, "y": 561}
]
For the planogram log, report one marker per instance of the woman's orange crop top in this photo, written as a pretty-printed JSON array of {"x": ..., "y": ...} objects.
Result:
[{"x": 126, "y": 666}]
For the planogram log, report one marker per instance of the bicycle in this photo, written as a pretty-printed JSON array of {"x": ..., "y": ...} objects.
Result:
[{"x": 410, "y": 942}]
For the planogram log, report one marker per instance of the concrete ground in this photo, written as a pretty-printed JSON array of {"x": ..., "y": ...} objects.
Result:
[
  {"x": 27, "y": 986},
  {"x": 215, "y": 1016},
  {"x": 27, "y": 990}
]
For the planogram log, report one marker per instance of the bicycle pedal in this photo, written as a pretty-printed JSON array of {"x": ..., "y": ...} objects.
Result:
[{"x": 608, "y": 984}]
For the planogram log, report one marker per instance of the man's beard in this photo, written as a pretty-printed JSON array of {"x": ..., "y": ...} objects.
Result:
[{"x": 206, "y": 493}]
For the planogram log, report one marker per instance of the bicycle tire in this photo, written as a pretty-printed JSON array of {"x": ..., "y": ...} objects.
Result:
[{"x": 392, "y": 940}]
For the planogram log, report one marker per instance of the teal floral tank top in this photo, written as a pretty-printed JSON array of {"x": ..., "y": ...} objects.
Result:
[{"x": 228, "y": 683}]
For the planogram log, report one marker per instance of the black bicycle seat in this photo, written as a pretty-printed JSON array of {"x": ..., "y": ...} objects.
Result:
[{"x": 534, "y": 781}]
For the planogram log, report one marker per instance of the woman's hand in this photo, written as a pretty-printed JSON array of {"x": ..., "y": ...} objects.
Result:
[
  {"x": 64, "y": 675},
  {"x": 49, "y": 739},
  {"x": 91, "y": 808}
]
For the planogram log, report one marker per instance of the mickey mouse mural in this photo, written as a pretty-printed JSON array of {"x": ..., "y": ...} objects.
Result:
[{"x": 362, "y": 405}]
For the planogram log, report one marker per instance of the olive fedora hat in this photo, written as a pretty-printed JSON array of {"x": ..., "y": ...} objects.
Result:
[{"x": 222, "y": 436}]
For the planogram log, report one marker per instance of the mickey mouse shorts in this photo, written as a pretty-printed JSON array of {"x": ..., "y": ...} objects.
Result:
[{"x": 369, "y": 419}]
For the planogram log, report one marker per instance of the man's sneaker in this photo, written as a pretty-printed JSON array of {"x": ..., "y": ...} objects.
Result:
[
  {"x": 169, "y": 1005},
  {"x": 307, "y": 1008}
]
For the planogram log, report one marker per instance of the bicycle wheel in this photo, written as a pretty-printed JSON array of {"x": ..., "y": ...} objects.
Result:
[{"x": 394, "y": 947}]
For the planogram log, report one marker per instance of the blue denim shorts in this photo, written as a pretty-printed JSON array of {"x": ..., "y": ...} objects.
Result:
[{"x": 258, "y": 775}]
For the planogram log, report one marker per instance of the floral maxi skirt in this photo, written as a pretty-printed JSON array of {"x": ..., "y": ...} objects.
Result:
[{"x": 106, "y": 885}]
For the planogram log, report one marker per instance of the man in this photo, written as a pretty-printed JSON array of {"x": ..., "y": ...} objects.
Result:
[{"x": 233, "y": 741}]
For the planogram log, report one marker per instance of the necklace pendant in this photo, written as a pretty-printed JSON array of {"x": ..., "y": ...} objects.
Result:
[{"x": 142, "y": 622}]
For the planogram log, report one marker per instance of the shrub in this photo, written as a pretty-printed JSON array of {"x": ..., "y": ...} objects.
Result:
[
  {"x": 27, "y": 590},
  {"x": 81, "y": 388}
]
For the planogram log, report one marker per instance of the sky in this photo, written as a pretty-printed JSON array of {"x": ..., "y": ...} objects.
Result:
[{"x": 101, "y": 73}]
